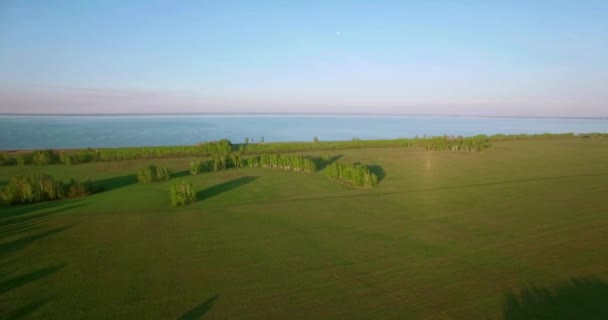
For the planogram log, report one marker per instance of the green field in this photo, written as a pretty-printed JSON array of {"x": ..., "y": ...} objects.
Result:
[{"x": 444, "y": 235}]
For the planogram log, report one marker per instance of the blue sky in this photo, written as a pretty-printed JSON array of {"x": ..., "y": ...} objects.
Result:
[{"x": 524, "y": 58}]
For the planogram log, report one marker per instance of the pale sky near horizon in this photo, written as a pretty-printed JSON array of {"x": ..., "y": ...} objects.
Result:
[{"x": 491, "y": 58}]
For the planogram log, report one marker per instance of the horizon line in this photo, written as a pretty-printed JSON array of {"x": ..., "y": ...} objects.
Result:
[{"x": 43, "y": 114}]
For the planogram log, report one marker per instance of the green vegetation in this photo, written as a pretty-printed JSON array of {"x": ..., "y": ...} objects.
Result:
[
  {"x": 444, "y": 235},
  {"x": 152, "y": 173},
  {"x": 356, "y": 174},
  {"x": 42, "y": 187},
  {"x": 234, "y": 160},
  {"x": 285, "y": 162},
  {"x": 476, "y": 143},
  {"x": 225, "y": 147},
  {"x": 182, "y": 193}
]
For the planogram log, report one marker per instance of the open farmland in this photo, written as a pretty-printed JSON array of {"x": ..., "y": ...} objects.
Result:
[{"x": 444, "y": 235}]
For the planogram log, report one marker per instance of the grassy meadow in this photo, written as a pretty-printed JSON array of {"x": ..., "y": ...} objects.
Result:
[{"x": 507, "y": 233}]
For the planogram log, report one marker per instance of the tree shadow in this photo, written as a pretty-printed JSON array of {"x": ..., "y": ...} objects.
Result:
[
  {"x": 115, "y": 182},
  {"x": 578, "y": 298},
  {"x": 18, "y": 281},
  {"x": 26, "y": 309},
  {"x": 377, "y": 170},
  {"x": 21, "y": 209},
  {"x": 224, "y": 187},
  {"x": 12, "y": 246},
  {"x": 180, "y": 174},
  {"x": 199, "y": 311},
  {"x": 322, "y": 162},
  {"x": 17, "y": 220}
]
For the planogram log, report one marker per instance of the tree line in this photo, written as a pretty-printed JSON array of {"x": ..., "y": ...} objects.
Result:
[
  {"x": 447, "y": 143},
  {"x": 224, "y": 146},
  {"x": 355, "y": 174},
  {"x": 235, "y": 160},
  {"x": 43, "y": 187}
]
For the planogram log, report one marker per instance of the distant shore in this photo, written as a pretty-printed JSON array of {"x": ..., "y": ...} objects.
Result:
[{"x": 294, "y": 115}]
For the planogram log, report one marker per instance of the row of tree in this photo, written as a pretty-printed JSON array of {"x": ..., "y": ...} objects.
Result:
[
  {"x": 234, "y": 160},
  {"x": 224, "y": 148},
  {"x": 356, "y": 174},
  {"x": 45, "y": 157},
  {"x": 42, "y": 187},
  {"x": 447, "y": 143},
  {"x": 152, "y": 173},
  {"x": 285, "y": 162}
]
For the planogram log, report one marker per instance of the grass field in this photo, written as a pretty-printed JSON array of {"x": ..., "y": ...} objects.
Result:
[{"x": 445, "y": 235}]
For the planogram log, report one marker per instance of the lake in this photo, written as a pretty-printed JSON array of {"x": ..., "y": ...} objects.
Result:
[{"x": 37, "y": 132}]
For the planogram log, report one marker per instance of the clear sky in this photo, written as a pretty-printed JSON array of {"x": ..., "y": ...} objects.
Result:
[{"x": 523, "y": 58}]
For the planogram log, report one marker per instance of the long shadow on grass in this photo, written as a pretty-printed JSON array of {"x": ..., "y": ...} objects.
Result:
[
  {"x": 16, "y": 210},
  {"x": 224, "y": 187},
  {"x": 115, "y": 182},
  {"x": 378, "y": 171},
  {"x": 579, "y": 298},
  {"x": 199, "y": 311},
  {"x": 321, "y": 163},
  {"x": 7, "y": 248},
  {"x": 23, "y": 279},
  {"x": 28, "y": 222},
  {"x": 26, "y": 309},
  {"x": 180, "y": 174},
  {"x": 381, "y": 194}
]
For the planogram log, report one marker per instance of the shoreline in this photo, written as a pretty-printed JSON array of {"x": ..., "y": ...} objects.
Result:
[{"x": 272, "y": 114}]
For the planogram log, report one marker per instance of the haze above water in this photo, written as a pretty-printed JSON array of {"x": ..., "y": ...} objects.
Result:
[{"x": 35, "y": 132}]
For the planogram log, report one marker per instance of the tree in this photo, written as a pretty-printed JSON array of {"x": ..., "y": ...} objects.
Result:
[
  {"x": 246, "y": 141},
  {"x": 152, "y": 173},
  {"x": 182, "y": 193},
  {"x": 315, "y": 140}
]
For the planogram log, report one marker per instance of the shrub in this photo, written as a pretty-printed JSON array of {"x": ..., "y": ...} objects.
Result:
[
  {"x": 76, "y": 189},
  {"x": 44, "y": 157},
  {"x": 182, "y": 193},
  {"x": 152, "y": 173},
  {"x": 162, "y": 173},
  {"x": 7, "y": 160}
]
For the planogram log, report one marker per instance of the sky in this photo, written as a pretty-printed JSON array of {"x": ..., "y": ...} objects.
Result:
[{"x": 432, "y": 57}]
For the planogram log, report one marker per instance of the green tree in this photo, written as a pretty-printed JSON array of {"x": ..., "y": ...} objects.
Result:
[{"x": 182, "y": 193}]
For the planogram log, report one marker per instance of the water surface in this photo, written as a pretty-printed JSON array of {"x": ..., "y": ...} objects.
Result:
[{"x": 33, "y": 132}]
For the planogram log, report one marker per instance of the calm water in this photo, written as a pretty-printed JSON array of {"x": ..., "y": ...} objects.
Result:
[{"x": 28, "y": 132}]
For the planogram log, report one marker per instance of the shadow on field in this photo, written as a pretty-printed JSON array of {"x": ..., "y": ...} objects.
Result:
[
  {"x": 26, "y": 309},
  {"x": 23, "y": 221},
  {"x": 579, "y": 298},
  {"x": 180, "y": 174},
  {"x": 14, "y": 245},
  {"x": 23, "y": 279},
  {"x": 16, "y": 210},
  {"x": 224, "y": 187},
  {"x": 321, "y": 163},
  {"x": 20, "y": 227},
  {"x": 115, "y": 182},
  {"x": 199, "y": 311},
  {"x": 378, "y": 171}
]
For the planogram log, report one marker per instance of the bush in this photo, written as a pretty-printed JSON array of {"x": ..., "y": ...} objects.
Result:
[
  {"x": 182, "y": 193},
  {"x": 7, "y": 160},
  {"x": 44, "y": 157},
  {"x": 152, "y": 173}
]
